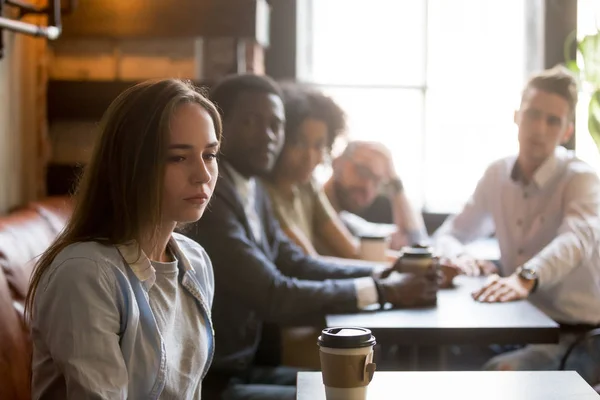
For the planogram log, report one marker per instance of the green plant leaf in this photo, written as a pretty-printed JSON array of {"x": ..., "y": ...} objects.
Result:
[
  {"x": 570, "y": 41},
  {"x": 594, "y": 118},
  {"x": 573, "y": 67},
  {"x": 589, "y": 48}
]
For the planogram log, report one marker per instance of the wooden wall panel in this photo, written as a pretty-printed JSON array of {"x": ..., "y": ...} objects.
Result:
[{"x": 169, "y": 18}]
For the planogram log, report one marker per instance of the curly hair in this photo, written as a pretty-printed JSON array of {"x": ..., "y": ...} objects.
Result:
[{"x": 302, "y": 102}]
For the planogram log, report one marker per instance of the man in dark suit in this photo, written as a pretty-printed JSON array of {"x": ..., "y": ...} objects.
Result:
[{"x": 260, "y": 276}]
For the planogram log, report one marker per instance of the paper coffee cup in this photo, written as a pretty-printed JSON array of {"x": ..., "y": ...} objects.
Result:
[
  {"x": 373, "y": 248},
  {"x": 417, "y": 259},
  {"x": 346, "y": 362}
]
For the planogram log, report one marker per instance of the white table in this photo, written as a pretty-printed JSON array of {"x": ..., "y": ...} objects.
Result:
[{"x": 542, "y": 385}]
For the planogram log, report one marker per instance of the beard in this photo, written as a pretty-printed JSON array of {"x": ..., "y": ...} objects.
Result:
[{"x": 345, "y": 198}]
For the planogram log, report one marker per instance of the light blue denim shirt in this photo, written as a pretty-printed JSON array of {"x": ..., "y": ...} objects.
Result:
[{"x": 93, "y": 331}]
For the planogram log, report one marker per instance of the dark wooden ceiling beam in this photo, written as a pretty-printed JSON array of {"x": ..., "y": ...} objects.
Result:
[{"x": 139, "y": 19}]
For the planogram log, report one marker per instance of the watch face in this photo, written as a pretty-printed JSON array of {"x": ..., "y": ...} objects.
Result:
[{"x": 528, "y": 273}]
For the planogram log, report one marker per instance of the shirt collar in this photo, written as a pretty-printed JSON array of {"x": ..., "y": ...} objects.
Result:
[
  {"x": 244, "y": 186},
  {"x": 544, "y": 172},
  {"x": 140, "y": 264}
]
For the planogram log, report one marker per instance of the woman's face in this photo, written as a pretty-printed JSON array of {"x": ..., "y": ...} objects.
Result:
[
  {"x": 300, "y": 158},
  {"x": 191, "y": 167}
]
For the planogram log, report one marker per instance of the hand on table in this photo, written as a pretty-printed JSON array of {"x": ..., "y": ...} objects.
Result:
[
  {"x": 452, "y": 267},
  {"x": 409, "y": 290},
  {"x": 502, "y": 290},
  {"x": 469, "y": 266},
  {"x": 447, "y": 273}
]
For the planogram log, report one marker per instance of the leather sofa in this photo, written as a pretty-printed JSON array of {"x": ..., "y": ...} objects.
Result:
[{"x": 24, "y": 234}]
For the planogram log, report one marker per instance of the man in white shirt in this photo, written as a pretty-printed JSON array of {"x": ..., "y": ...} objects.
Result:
[{"x": 543, "y": 206}]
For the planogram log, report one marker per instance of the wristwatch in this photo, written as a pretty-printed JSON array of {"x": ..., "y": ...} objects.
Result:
[{"x": 528, "y": 274}]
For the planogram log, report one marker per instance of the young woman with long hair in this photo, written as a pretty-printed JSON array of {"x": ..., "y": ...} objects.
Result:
[{"x": 119, "y": 305}]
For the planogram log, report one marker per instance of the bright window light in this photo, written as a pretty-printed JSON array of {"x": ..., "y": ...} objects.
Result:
[{"x": 437, "y": 81}]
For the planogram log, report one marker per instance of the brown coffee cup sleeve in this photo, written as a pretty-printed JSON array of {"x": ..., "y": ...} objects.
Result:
[{"x": 345, "y": 371}]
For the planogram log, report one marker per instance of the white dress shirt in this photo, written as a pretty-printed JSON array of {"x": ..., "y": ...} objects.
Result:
[
  {"x": 246, "y": 189},
  {"x": 366, "y": 293},
  {"x": 550, "y": 224}
]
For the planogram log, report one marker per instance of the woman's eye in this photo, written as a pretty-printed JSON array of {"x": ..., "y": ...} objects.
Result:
[
  {"x": 211, "y": 156},
  {"x": 176, "y": 158}
]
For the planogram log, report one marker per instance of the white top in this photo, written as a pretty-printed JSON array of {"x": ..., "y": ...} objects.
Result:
[
  {"x": 94, "y": 332},
  {"x": 550, "y": 224},
  {"x": 183, "y": 332},
  {"x": 366, "y": 293}
]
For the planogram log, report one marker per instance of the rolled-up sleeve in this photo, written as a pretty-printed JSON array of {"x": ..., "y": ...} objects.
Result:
[
  {"x": 578, "y": 235},
  {"x": 366, "y": 292},
  {"x": 76, "y": 319}
]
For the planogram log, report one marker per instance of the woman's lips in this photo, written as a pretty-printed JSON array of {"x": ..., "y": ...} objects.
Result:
[{"x": 199, "y": 199}]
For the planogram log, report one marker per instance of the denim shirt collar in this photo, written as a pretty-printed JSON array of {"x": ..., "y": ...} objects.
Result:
[{"x": 141, "y": 266}]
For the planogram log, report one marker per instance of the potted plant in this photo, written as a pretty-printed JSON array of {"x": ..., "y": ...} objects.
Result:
[{"x": 588, "y": 71}]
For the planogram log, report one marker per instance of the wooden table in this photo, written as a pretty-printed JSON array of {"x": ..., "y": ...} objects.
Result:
[
  {"x": 541, "y": 385},
  {"x": 457, "y": 319}
]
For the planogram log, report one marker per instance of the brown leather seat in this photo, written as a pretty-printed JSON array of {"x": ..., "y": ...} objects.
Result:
[
  {"x": 15, "y": 356},
  {"x": 24, "y": 235},
  {"x": 56, "y": 210}
]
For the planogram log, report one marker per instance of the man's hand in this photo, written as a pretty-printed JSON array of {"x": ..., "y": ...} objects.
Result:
[
  {"x": 487, "y": 268},
  {"x": 469, "y": 266},
  {"x": 504, "y": 289},
  {"x": 382, "y": 273},
  {"x": 447, "y": 273},
  {"x": 409, "y": 290},
  {"x": 386, "y": 155}
]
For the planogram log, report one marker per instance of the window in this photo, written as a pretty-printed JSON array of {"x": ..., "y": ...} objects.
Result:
[
  {"x": 588, "y": 23},
  {"x": 437, "y": 81}
]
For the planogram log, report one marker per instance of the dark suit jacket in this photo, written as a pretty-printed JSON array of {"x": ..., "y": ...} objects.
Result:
[{"x": 270, "y": 281}]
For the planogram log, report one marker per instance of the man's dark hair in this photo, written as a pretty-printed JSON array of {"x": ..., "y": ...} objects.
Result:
[
  {"x": 225, "y": 93},
  {"x": 302, "y": 102}
]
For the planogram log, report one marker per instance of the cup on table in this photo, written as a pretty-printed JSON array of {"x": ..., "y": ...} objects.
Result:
[
  {"x": 417, "y": 259},
  {"x": 346, "y": 362},
  {"x": 373, "y": 248},
  {"x": 420, "y": 260}
]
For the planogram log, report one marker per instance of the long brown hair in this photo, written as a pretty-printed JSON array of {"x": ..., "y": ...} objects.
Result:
[{"x": 119, "y": 195}]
